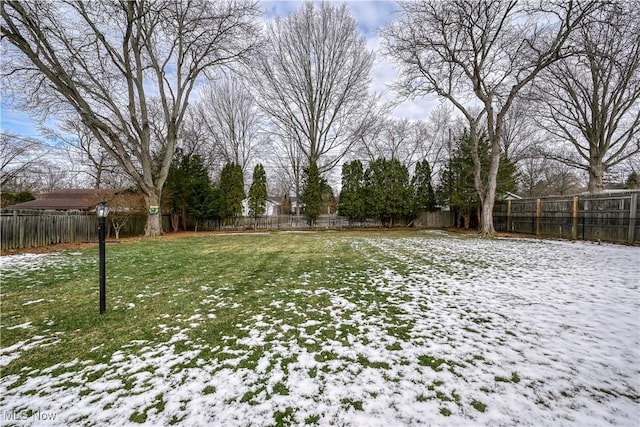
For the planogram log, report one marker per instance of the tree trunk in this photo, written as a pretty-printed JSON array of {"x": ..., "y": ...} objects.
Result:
[
  {"x": 487, "y": 229},
  {"x": 596, "y": 175},
  {"x": 486, "y": 193},
  {"x": 154, "y": 218},
  {"x": 175, "y": 221},
  {"x": 116, "y": 230},
  {"x": 183, "y": 218}
]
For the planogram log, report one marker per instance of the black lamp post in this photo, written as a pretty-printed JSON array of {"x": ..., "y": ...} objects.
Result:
[{"x": 102, "y": 210}]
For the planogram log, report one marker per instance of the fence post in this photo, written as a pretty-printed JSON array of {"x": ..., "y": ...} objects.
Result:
[
  {"x": 574, "y": 229},
  {"x": 20, "y": 219},
  {"x": 508, "y": 216},
  {"x": 538, "y": 214},
  {"x": 633, "y": 213}
]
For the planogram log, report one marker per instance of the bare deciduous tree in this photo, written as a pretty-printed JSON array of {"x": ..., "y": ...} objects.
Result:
[
  {"x": 313, "y": 81},
  {"x": 17, "y": 157},
  {"x": 288, "y": 163},
  {"x": 86, "y": 154},
  {"x": 591, "y": 101},
  {"x": 194, "y": 140},
  {"x": 126, "y": 68},
  {"x": 232, "y": 121},
  {"x": 480, "y": 53},
  {"x": 393, "y": 139}
]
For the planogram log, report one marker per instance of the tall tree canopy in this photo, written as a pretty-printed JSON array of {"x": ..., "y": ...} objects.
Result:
[
  {"x": 592, "y": 100},
  {"x": 125, "y": 68},
  {"x": 231, "y": 120},
  {"x": 480, "y": 53},
  {"x": 313, "y": 80}
]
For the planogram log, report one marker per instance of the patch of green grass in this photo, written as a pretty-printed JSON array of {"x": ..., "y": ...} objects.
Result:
[
  {"x": 325, "y": 356},
  {"x": 138, "y": 417},
  {"x": 93, "y": 376},
  {"x": 445, "y": 412},
  {"x": 515, "y": 378},
  {"x": 313, "y": 372},
  {"x": 422, "y": 398},
  {"x": 479, "y": 406},
  {"x": 249, "y": 396},
  {"x": 396, "y": 346},
  {"x": 355, "y": 404},
  {"x": 173, "y": 279},
  {"x": 141, "y": 417},
  {"x": 432, "y": 362},
  {"x": 312, "y": 419},
  {"x": 175, "y": 420},
  {"x": 400, "y": 332},
  {"x": 281, "y": 388},
  {"x": 284, "y": 418},
  {"x": 368, "y": 364},
  {"x": 443, "y": 397},
  {"x": 436, "y": 383}
]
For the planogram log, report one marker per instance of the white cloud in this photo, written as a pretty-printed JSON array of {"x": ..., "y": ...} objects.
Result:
[{"x": 372, "y": 15}]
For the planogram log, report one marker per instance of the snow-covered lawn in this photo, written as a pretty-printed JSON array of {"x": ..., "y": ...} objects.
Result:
[{"x": 437, "y": 330}]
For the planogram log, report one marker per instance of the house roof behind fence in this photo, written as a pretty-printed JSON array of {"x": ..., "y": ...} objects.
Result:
[{"x": 70, "y": 199}]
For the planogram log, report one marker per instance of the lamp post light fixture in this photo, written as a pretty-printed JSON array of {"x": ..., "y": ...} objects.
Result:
[{"x": 102, "y": 210}]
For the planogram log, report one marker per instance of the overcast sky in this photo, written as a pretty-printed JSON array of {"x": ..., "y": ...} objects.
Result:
[{"x": 370, "y": 15}]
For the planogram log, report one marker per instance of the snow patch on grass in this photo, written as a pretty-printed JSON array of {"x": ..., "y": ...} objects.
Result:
[{"x": 438, "y": 330}]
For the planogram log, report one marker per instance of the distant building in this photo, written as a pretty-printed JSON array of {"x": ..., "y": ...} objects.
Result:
[
  {"x": 276, "y": 206},
  {"x": 84, "y": 200},
  {"x": 272, "y": 207}
]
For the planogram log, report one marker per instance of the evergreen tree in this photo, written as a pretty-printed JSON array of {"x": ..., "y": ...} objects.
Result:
[
  {"x": 328, "y": 199},
  {"x": 312, "y": 193},
  {"x": 231, "y": 191},
  {"x": 258, "y": 193},
  {"x": 387, "y": 190},
  {"x": 424, "y": 197},
  {"x": 12, "y": 199},
  {"x": 633, "y": 181},
  {"x": 200, "y": 193},
  {"x": 174, "y": 191},
  {"x": 456, "y": 186},
  {"x": 188, "y": 190},
  {"x": 215, "y": 206},
  {"x": 352, "y": 198}
]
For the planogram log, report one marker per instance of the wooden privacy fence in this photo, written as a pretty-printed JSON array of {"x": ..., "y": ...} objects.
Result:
[
  {"x": 23, "y": 229},
  {"x": 32, "y": 228},
  {"x": 607, "y": 217},
  {"x": 439, "y": 219}
]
